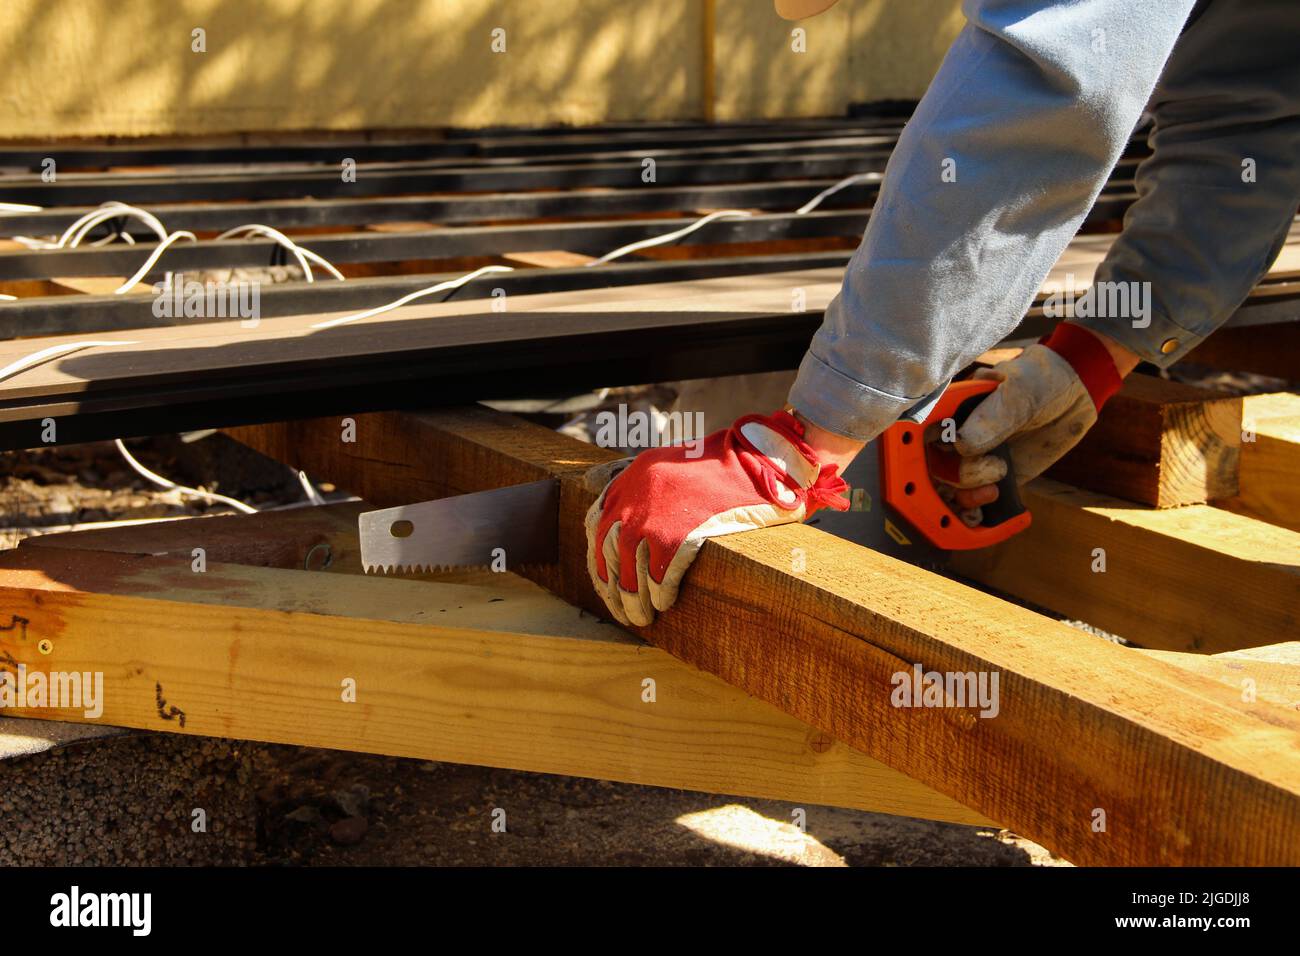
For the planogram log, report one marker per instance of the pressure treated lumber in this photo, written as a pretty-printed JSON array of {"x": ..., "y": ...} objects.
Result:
[
  {"x": 1184, "y": 771},
  {"x": 1156, "y": 442},
  {"x": 506, "y": 676},
  {"x": 1187, "y": 579},
  {"x": 581, "y": 202},
  {"x": 46, "y": 309},
  {"x": 484, "y": 207},
  {"x": 1269, "y": 486},
  {"x": 158, "y": 356}
]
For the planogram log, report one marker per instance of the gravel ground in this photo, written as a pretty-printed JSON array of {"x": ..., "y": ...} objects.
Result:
[
  {"x": 130, "y": 801},
  {"x": 133, "y": 801}
]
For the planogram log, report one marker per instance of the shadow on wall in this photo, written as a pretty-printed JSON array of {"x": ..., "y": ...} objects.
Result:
[
  {"x": 858, "y": 51},
  {"x": 128, "y": 67},
  {"x": 99, "y": 67}
]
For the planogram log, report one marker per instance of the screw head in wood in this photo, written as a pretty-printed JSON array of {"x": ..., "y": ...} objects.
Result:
[{"x": 45, "y": 646}]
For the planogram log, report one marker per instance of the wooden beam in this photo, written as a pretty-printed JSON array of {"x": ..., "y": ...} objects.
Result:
[
  {"x": 183, "y": 377},
  {"x": 1185, "y": 579},
  {"x": 1156, "y": 442},
  {"x": 1269, "y": 485},
  {"x": 1269, "y": 673},
  {"x": 547, "y": 258},
  {"x": 1263, "y": 349},
  {"x": 96, "y": 285},
  {"x": 1182, "y": 770},
  {"x": 402, "y": 225},
  {"x": 506, "y": 676},
  {"x": 1159, "y": 443}
]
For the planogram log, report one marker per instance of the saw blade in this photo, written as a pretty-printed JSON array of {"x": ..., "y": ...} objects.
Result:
[{"x": 501, "y": 528}]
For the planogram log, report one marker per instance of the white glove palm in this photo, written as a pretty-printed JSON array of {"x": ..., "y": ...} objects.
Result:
[{"x": 1041, "y": 410}]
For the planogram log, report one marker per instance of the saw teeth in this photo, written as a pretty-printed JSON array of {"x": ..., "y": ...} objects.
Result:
[{"x": 396, "y": 569}]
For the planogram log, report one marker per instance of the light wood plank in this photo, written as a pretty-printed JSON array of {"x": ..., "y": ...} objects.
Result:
[
  {"x": 1195, "y": 578},
  {"x": 547, "y": 259},
  {"x": 1269, "y": 483},
  {"x": 502, "y": 676},
  {"x": 1269, "y": 673}
]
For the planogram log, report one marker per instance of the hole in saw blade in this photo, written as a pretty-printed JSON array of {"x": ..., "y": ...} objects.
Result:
[{"x": 401, "y": 529}]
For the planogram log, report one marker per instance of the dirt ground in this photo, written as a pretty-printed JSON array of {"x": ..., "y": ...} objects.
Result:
[{"x": 420, "y": 813}]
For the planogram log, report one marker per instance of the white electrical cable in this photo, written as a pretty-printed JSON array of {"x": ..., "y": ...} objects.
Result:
[
  {"x": 732, "y": 214},
  {"x": 105, "y": 240},
  {"x": 609, "y": 256},
  {"x": 410, "y": 297},
  {"x": 75, "y": 233},
  {"x": 291, "y": 246},
  {"x": 54, "y": 351},
  {"x": 17, "y": 208},
  {"x": 313, "y": 495},
  {"x": 143, "y": 271},
  {"x": 305, "y": 256},
  {"x": 670, "y": 236},
  {"x": 170, "y": 485},
  {"x": 844, "y": 183},
  {"x": 7, "y": 297}
]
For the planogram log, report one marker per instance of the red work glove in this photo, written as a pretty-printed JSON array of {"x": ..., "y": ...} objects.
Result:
[{"x": 651, "y": 520}]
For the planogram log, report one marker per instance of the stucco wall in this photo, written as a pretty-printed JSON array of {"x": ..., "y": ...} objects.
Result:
[{"x": 126, "y": 67}]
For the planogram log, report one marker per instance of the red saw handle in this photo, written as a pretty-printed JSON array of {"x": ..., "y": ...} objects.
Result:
[{"x": 909, "y": 490}]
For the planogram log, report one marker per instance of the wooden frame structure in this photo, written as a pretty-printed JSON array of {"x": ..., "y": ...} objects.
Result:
[{"x": 774, "y": 675}]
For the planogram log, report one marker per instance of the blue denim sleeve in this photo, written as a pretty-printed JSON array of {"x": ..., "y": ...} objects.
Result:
[
  {"x": 993, "y": 175},
  {"x": 1217, "y": 195}
]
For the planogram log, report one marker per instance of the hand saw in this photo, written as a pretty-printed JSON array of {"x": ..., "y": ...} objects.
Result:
[
  {"x": 504, "y": 528},
  {"x": 894, "y": 505},
  {"x": 895, "y": 508}
]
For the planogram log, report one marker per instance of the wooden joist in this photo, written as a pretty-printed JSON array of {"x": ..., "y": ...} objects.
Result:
[
  {"x": 181, "y": 377},
  {"x": 1269, "y": 673},
  {"x": 1103, "y": 755},
  {"x": 505, "y": 675},
  {"x": 547, "y": 259},
  {"x": 1156, "y": 442},
  {"x": 1264, "y": 349},
  {"x": 665, "y": 321},
  {"x": 1160, "y": 443},
  {"x": 1188, "y": 579},
  {"x": 1269, "y": 486}
]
